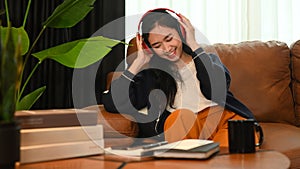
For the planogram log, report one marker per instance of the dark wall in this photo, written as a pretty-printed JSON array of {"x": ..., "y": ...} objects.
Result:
[{"x": 56, "y": 77}]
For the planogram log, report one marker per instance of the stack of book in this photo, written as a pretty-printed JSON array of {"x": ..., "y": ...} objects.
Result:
[
  {"x": 58, "y": 134},
  {"x": 188, "y": 148}
]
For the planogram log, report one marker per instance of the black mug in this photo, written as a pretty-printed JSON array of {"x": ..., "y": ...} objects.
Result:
[{"x": 242, "y": 134}]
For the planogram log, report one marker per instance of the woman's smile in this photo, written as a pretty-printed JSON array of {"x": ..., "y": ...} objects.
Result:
[{"x": 171, "y": 54}]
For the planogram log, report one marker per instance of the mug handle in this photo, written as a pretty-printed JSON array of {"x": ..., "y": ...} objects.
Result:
[{"x": 261, "y": 134}]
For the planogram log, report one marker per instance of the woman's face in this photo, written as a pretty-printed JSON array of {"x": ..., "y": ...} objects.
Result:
[{"x": 166, "y": 43}]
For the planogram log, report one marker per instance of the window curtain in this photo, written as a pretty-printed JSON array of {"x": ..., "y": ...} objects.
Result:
[{"x": 233, "y": 21}]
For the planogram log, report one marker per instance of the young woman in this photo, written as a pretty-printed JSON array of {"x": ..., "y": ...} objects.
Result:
[{"x": 184, "y": 89}]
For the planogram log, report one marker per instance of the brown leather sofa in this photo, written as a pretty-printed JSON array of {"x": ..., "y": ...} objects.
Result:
[{"x": 265, "y": 76}]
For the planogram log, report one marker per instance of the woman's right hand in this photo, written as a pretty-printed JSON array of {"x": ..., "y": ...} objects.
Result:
[{"x": 142, "y": 58}]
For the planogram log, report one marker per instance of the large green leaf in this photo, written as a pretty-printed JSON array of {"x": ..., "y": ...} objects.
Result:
[
  {"x": 19, "y": 35},
  {"x": 80, "y": 53},
  {"x": 69, "y": 13},
  {"x": 27, "y": 102}
]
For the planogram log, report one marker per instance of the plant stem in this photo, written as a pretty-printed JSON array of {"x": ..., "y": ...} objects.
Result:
[
  {"x": 27, "y": 80},
  {"x": 26, "y": 60},
  {"x": 7, "y": 12},
  {"x": 26, "y": 13}
]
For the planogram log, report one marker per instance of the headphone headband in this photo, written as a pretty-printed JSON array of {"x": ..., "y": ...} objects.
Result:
[{"x": 170, "y": 11}]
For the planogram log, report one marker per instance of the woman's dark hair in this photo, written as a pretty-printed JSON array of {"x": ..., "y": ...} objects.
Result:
[{"x": 163, "y": 18}]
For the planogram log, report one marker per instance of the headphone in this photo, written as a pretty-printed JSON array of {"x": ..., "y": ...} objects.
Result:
[{"x": 171, "y": 12}]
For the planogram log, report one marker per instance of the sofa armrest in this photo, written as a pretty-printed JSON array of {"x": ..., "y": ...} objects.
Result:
[{"x": 115, "y": 125}]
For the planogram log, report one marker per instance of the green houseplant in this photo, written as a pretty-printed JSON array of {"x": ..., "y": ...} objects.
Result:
[{"x": 15, "y": 51}]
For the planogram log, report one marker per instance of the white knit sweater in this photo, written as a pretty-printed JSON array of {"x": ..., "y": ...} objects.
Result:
[{"x": 189, "y": 95}]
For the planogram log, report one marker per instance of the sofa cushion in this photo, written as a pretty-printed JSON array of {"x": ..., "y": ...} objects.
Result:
[
  {"x": 283, "y": 138},
  {"x": 115, "y": 125},
  {"x": 295, "y": 53},
  {"x": 261, "y": 78}
]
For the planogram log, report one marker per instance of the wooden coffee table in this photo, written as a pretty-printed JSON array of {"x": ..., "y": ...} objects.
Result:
[{"x": 262, "y": 159}]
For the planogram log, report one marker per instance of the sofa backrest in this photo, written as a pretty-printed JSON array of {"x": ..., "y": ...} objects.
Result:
[
  {"x": 295, "y": 53},
  {"x": 261, "y": 78}
]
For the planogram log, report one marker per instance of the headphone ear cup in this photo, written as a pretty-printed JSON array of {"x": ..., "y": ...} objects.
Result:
[
  {"x": 146, "y": 48},
  {"x": 182, "y": 28},
  {"x": 183, "y": 32}
]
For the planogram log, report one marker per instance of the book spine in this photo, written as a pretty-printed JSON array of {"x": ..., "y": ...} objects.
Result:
[
  {"x": 48, "y": 152},
  {"x": 31, "y": 137},
  {"x": 56, "y": 120}
]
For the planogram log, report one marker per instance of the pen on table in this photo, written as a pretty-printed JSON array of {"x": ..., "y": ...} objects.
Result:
[
  {"x": 154, "y": 145},
  {"x": 147, "y": 146}
]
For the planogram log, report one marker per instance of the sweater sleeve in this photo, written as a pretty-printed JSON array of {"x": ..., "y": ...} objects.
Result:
[
  {"x": 214, "y": 77},
  {"x": 127, "y": 94}
]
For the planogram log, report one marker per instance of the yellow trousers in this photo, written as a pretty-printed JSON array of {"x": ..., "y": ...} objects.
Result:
[{"x": 210, "y": 123}]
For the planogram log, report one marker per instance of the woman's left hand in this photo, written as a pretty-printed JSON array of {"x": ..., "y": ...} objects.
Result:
[{"x": 190, "y": 32}]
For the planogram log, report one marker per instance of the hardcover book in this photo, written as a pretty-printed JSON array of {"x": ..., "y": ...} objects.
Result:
[
  {"x": 55, "y": 118},
  {"x": 38, "y": 136},
  {"x": 200, "y": 152},
  {"x": 48, "y": 152}
]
